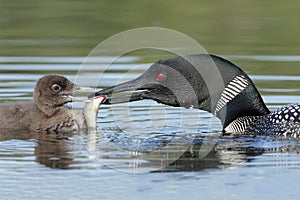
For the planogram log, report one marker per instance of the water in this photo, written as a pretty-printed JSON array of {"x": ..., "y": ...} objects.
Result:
[{"x": 140, "y": 152}]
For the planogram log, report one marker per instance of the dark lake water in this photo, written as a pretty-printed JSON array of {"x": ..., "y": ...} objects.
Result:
[{"x": 144, "y": 148}]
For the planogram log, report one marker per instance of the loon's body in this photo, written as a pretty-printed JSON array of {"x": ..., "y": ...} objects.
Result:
[
  {"x": 213, "y": 84},
  {"x": 283, "y": 122}
]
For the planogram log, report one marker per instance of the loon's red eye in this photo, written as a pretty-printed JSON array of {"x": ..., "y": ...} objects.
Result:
[{"x": 160, "y": 77}]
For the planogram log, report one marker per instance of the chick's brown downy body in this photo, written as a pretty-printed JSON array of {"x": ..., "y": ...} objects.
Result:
[{"x": 47, "y": 111}]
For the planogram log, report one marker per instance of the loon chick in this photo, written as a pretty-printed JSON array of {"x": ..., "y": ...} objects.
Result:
[
  {"x": 210, "y": 83},
  {"x": 47, "y": 112}
]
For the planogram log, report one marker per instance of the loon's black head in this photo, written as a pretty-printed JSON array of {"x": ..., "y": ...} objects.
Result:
[{"x": 199, "y": 81}]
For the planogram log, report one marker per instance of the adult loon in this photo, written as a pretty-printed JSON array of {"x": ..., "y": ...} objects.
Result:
[
  {"x": 210, "y": 83},
  {"x": 48, "y": 111}
]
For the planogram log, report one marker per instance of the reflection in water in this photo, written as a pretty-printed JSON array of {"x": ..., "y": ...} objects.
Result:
[
  {"x": 224, "y": 154},
  {"x": 92, "y": 150},
  {"x": 52, "y": 151}
]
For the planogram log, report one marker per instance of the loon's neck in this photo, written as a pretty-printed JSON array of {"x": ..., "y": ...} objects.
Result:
[{"x": 237, "y": 98}]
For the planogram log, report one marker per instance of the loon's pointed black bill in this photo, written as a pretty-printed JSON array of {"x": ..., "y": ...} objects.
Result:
[{"x": 124, "y": 92}]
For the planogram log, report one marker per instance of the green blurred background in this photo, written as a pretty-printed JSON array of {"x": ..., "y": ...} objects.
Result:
[{"x": 75, "y": 27}]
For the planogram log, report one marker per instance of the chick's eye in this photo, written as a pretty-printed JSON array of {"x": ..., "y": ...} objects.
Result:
[
  {"x": 160, "y": 77},
  {"x": 55, "y": 87}
]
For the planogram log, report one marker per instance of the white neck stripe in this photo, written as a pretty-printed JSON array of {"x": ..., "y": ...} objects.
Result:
[{"x": 235, "y": 87}]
